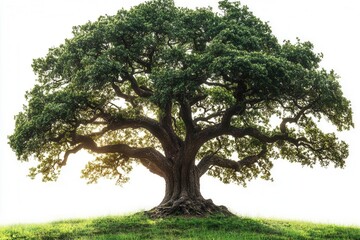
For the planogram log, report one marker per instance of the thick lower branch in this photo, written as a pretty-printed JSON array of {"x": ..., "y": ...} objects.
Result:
[
  {"x": 211, "y": 160},
  {"x": 164, "y": 135},
  {"x": 152, "y": 167},
  {"x": 214, "y": 160},
  {"x": 154, "y": 159}
]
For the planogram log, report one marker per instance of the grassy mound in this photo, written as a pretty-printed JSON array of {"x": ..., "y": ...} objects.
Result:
[{"x": 141, "y": 227}]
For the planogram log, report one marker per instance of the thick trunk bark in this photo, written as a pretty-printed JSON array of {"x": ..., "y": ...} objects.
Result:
[
  {"x": 183, "y": 182},
  {"x": 183, "y": 196}
]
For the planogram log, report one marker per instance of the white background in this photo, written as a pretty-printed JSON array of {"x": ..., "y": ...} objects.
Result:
[{"x": 29, "y": 28}]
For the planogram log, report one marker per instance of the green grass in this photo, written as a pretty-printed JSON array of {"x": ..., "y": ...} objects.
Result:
[{"x": 139, "y": 226}]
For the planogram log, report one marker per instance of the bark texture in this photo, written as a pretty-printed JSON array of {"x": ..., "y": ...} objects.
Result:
[{"x": 183, "y": 197}]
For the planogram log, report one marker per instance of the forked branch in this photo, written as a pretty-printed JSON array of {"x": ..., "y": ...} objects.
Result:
[{"x": 296, "y": 118}]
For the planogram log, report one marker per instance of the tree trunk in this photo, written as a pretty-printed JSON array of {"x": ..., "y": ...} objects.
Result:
[{"x": 183, "y": 197}]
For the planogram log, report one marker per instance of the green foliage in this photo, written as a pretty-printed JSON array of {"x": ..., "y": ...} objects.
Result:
[
  {"x": 140, "y": 227},
  {"x": 113, "y": 166},
  {"x": 120, "y": 77}
]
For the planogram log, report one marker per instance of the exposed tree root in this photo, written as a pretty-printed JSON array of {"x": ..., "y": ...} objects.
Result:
[{"x": 189, "y": 208}]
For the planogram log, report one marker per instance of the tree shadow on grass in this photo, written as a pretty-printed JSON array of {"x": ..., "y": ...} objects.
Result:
[{"x": 216, "y": 227}]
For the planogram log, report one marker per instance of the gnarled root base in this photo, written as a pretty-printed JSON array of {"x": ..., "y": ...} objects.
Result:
[{"x": 188, "y": 207}]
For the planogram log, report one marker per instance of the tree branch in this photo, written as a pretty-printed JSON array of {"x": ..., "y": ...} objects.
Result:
[
  {"x": 152, "y": 167},
  {"x": 211, "y": 160},
  {"x": 227, "y": 87},
  {"x": 167, "y": 141},
  {"x": 166, "y": 124},
  {"x": 215, "y": 160},
  {"x": 139, "y": 90},
  {"x": 149, "y": 155},
  {"x": 68, "y": 152},
  {"x": 255, "y": 133},
  {"x": 230, "y": 112},
  {"x": 186, "y": 115},
  {"x": 196, "y": 99},
  {"x": 219, "y": 130},
  {"x": 122, "y": 95},
  {"x": 296, "y": 118},
  {"x": 208, "y": 117}
]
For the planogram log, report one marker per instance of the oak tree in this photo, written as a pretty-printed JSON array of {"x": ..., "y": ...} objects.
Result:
[{"x": 184, "y": 93}]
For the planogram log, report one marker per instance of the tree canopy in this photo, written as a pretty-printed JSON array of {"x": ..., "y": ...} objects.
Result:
[{"x": 176, "y": 88}]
